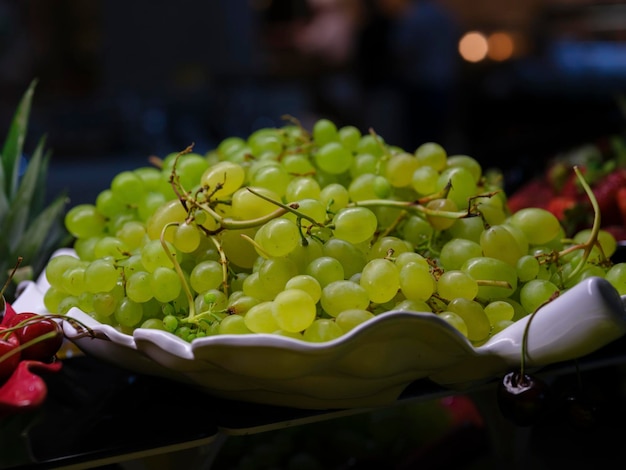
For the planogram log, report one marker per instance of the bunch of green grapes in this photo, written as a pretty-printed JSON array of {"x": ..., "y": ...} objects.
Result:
[{"x": 308, "y": 234}]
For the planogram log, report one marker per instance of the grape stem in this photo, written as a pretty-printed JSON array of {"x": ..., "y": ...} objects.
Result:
[
  {"x": 178, "y": 269},
  {"x": 7, "y": 282},
  {"x": 595, "y": 229}
]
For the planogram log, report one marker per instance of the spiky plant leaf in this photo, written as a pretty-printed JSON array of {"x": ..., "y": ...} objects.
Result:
[
  {"x": 28, "y": 229},
  {"x": 14, "y": 144}
]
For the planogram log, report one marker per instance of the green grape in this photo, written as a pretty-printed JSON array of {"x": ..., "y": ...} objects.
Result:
[
  {"x": 371, "y": 144},
  {"x": 84, "y": 221},
  {"x": 322, "y": 330},
  {"x": 306, "y": 251},
  {"x": 456, "y": 321},
  {"x": 333, "y": 158},
  {"x": 67, "y": 303},
  {"x": 302, "y": 187},
  {"x": 500, "y": 325},
  {"x": 364, "y": 163},
  {"x": 474, "y": 317},
  {"x": 605, "y": 239},
  {"x": 324, "y": 131},
  {"x": 165, "y": 284},
  {"x": 237, "y": 249},
  {"x": 138, "y": 288},
  {"x": 334, "y": 197},
  {"x": 127, "y": 186},
  {"x": 128, "y": 313},
  {"x": 400, "y": 168},
  {"x": 457, "y": 251},
  {"x": 307, "y": 283},
  {"x": 277, "y": 238},
  {"x": 467, "y": 162},
  {"x": 361, "y": 188},
  {"x": 616, "y": 275},
  {"x": 58, "y": 265},
  {"x": 527, "y": 268},
  {"x": 274, "y": 273},
  {"x": 52, "y": 297},
  {"x": 468, "y": 228},
  {"x": 498, "y": 311},
  {"x": 309, "y": 207},
  {"x": 73, "y": 280},
  {"x": 265, "y": 145},
  {"x": 233, "y": 325},
  {"x": 153, "y": 255},
  {"x": 150, "y": 176},
  {"x": 456, "y": 283},
  {"x": 349, "y": 136},
  {"x": 190, "y": 168},
  {"x": 100, "y": 276},
  {"x": 325, "y": 270},
  {"x": 382, "y": 187},
  {"x": 206, "y": 275},
  {"x": 535, "y": 293},
  {"x": 539, "y": 225},
  {"x": 343, "y": 295},
  {"x": 246, "y": 205},
  {"x": 274, "y": 177},
  {"x": 109, "y": 205},
  {"x": 104, "y": 303},
  {"x": 433, "y": 155},
  {"x": 350, "y": 319},
  {"x": 297, "y": 165},
  {"x": 131, "y": 234},
  {"x": 491, "y": 210},
  {"x": 171, "y": 212},
  {"x": 408, "y": 305},
  {"x": 416, "y": 230},
  {"x": 260, "y": 318},
  {"x": 416, "y": 281},
  {"x": 253, "y": 287},
  {"x": 463, "y": 185},
  {"x": 354, "y": 224},
  {"x": 294, "y": 310},
  {"x": 186, "y": 237},
  {"x": 223, "y": 179},
  {"x": 424, "y": 180},
  {"x": 404, "y": 258},
  {"x": 84, "y": 247},
  {"x": 350, "y": 256},
  {"x": 440, "y": 222},
  {"x": 85, "y": 301},
  {"x": 381, "y": 280},
  {"x": 153, "y": 324},
  {"x": 389, "y": 246},
  {"x": 498, "y": 242},
  {"x": 110, "y": 247},
  {"x": 486, "y": 270},
  {"x": 242, "y": 303}
]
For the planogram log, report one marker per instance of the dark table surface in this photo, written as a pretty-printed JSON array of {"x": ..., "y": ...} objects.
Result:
[{"x": 96, "y": 412}]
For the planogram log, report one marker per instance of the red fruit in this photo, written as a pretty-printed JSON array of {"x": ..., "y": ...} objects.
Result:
[
  {"x": 32, "y": 327},
  {"x": 9, "y": 358},
  {"x": 522, "y": 399},
  {"x": 8, "y": 314},
  {"x": 535, "y": 193},
  {"x": 25, "y": 389},
  {"x": 558, "y": 205},
  {"x": 620, "y": 199},
  {"x": 605, "y": 192}
]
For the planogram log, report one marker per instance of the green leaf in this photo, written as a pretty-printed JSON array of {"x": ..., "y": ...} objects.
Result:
[
  {"x": 19, "y": 213},
  {"x": 14, "y": 143},
  {"x": 38, "y": 234}
]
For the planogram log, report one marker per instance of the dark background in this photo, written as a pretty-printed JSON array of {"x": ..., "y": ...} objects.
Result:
[{"x": 119, "y": 81}]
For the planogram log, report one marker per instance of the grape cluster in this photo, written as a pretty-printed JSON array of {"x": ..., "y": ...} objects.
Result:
[{"x": 310, "y": 233}]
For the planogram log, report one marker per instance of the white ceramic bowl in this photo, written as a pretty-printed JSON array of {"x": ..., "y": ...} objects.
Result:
[{"x": 370, "y": 366}]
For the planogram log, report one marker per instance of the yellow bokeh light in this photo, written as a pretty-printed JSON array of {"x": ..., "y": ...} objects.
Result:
[
  {"x": 501, "y": 46},
  {"x": 473, "y": 46}
]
